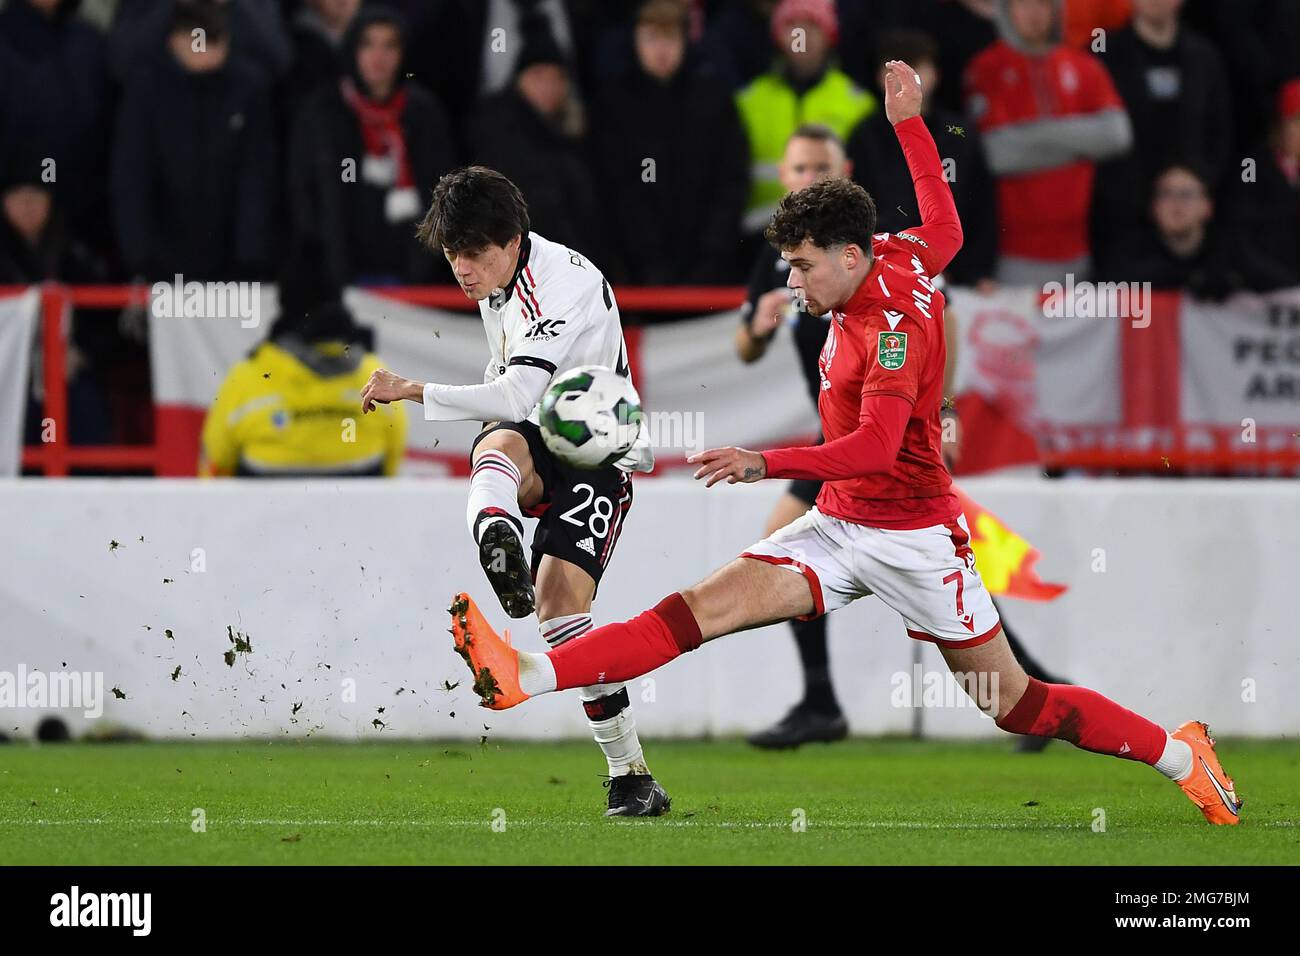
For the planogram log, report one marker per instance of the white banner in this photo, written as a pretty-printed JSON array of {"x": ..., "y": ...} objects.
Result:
[
  {"x": 19, "y": 320},
  {"x": 1211, "y": 377},
  {"x": 1241, "y": 360}
]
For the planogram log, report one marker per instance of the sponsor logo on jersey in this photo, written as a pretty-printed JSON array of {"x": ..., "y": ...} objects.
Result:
[
  {"x": 543, "y": 329},
  {"x": 891, "y": 350},
  {"x": 911, "y": 238},
  {"x": 588, "y": 545}
]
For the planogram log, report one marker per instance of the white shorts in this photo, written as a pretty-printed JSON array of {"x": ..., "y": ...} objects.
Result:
[{"x": 927, "y": 575}]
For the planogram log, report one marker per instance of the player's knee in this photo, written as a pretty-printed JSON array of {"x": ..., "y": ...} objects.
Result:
[
  {"x": 697, "y": 602},
  {"x": 1011, "y": 688},
  {"x": 511, "y": 444}
]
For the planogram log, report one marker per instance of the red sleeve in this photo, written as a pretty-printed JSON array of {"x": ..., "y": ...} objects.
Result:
[
  {"x": 985, "y": 102},
  {"x": 940, "y": 228},
  {"x": 870, "y": 449}
]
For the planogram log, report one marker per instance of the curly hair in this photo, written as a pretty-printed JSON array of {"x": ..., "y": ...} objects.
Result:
[
  {"x": 473, "y": 208},
  {"x": 828, "y": 213}
]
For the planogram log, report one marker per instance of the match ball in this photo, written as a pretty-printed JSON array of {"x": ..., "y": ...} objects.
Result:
[{"x": 591, "y": 416}]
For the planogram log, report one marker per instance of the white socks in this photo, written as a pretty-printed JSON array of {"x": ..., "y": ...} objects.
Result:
[
  {"x": 493, "y": 487},
  {"x": 1176, "y": 761},
  {"x": 608, "y": 713},
  {"x": 564, "y": 628},
  {"x": 536, "y": 675}
]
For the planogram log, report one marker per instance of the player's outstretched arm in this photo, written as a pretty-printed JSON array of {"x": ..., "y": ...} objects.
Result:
[
  {"x": 940, "y": 227},
  {"x": 872, "y": 448},
  {"x": 510, "y": 398}
]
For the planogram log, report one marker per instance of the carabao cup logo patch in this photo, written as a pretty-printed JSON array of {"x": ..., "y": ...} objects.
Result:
[{"x": 892, "y": 350}]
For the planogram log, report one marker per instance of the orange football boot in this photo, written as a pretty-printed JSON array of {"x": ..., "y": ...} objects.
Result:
[
  {"x": 494, "y": 663},
  {"x": 1207, "y": 785}
]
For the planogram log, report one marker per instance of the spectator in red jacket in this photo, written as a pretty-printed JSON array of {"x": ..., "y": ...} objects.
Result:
[{"x": 1047, "y": 114}]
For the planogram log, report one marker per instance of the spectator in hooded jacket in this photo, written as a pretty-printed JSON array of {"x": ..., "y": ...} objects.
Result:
[
  {"x": 803, "y": 86},
  {"x": 289, "y": 409},
  {"x": 364, "y": 156},
  {"x": 678, "y": 220},
  {"x": 1047, "y": 113},
  {"x": 192, "y": 170},
  {"x": 36, "y": 241},
  {"x": 532, "y": 133},
  {"x": 1175, "y": 90},
  {"x": 54, "y": 97}
]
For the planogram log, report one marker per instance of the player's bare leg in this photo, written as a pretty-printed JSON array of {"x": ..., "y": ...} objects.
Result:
[
  {"x": 744, "y": 594},
  {"x": 816, "y": 717},
  {"x": 741, "y": 595},
  {"x": 1023, "y": 705},
  {"x": 502, "y": 482},
  {"x": 564, "y": 597}
]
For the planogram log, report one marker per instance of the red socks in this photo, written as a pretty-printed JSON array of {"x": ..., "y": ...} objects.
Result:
[
  {"x": 620, "y": 652},
  {"x": 1083, "y": 717},
  {"x": 1086, "y": 719}
]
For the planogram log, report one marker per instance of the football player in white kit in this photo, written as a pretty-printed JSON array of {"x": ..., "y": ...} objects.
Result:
[{"x": 545, "y": 309}]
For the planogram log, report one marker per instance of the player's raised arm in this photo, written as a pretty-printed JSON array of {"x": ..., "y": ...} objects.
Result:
[{"x": 940, "y": 228}]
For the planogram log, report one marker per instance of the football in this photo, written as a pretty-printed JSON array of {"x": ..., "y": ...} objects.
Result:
[{"x": 590, "y": 416}]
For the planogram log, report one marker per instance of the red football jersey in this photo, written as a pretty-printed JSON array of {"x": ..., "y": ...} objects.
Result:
[{"x": 889, "y": 341}]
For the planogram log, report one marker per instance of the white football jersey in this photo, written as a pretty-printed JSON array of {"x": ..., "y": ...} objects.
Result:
[{"x": 556, "y": 313}]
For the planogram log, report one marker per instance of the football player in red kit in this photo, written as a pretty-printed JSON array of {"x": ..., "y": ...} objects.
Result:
[{"x": 886, "y": 521}]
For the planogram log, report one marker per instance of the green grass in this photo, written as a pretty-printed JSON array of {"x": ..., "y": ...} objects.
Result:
[{"x": 866, "y": 801}]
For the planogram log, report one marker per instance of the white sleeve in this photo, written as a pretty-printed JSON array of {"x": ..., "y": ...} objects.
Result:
[{"x": 510, "y": 398}]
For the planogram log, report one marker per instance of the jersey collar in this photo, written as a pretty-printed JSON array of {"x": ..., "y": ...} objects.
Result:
[
  {"x": 865, "y": 293},
  {"x": 525, "y": 248}
]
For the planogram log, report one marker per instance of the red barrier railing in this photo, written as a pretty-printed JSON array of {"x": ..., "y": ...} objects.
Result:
[{"x": 56, "y": 457}]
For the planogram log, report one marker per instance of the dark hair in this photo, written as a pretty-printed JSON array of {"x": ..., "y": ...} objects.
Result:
[
  {"x": 473, "y": 208},
  {"x": 1192, "y": 166},
  {"x": 913, "y": 47},
  {"x": 817, "y": 132},
  {"x": 828, "y": 213},
  {"x": 214, "y": 21},
  {"x": 668, "y": 14}
]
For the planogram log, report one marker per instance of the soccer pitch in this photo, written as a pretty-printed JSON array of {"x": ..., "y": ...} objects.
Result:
[{"x": 860, "y": 802}]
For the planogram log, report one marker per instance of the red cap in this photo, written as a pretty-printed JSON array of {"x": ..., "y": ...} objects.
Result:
[
  {"x": 790, "y": 12},
  {"x": 1288, "y": 99}
]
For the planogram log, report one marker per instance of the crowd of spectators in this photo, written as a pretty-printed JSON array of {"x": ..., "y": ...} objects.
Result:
[{"x": 213, "y": 138}]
